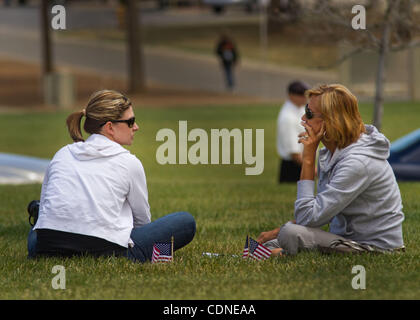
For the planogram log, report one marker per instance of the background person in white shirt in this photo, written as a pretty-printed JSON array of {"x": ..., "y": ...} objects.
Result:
[
  {"x": 288, "y": 128},
  {"x": 94, "y": 197}
]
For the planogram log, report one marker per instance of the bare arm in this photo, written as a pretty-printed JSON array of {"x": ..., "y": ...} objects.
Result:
[
  {"x": 310, "y": 141},
  {"x": 268, "y": 235}
]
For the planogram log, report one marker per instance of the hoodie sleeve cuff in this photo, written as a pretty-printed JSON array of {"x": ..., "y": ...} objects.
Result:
[{"x": 305, "y": 188}]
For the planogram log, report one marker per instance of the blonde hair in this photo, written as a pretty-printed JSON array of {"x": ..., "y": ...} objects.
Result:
[
  {"x": 340, "y": 111},
  {"x": 103, "y": 106}
]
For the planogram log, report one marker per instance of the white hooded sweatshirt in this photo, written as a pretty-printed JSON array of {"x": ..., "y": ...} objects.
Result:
[{"x": 95, "y": 188}]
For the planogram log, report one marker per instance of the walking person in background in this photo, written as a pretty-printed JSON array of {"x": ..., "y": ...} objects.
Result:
[
  {"x": 288, "y": 128},
  {"x": 94, "y": 198},
  {"x": 228, "y": 55}
]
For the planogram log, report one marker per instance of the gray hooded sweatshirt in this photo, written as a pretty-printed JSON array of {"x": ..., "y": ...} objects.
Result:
[{"x": 357, "y": 194}]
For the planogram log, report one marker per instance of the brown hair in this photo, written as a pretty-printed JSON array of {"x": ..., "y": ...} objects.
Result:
[
  {"x": 340, "y": 111},
  {"x": 103, "y": 106}
]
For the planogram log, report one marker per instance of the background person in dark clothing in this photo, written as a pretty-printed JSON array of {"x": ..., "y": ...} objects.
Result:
[{"x": 228, "y": 54}]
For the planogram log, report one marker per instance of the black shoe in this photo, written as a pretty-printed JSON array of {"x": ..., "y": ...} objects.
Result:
[{"x": 33, "y": 208}]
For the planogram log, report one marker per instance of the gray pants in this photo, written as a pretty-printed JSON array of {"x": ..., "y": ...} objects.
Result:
[{"x": 294, "y": 238}]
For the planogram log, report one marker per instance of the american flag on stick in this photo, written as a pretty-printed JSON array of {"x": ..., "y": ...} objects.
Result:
[
  {"x": 162, "y": 252},
  {"x": 255, "y": 250},
  {"x": 245, "y": 254}
]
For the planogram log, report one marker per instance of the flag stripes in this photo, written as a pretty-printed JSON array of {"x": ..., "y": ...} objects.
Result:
[
  {"x": 255, "y": 250},
  {"x": 162, "y": 252}
]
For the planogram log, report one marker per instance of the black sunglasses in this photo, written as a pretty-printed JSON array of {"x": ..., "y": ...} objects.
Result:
[
  {"x": 308, "y": 112},
  {"x": 130, "y": 122}
]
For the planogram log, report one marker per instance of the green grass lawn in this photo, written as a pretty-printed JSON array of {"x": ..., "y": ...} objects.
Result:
[{"x": 227, "y": 206}]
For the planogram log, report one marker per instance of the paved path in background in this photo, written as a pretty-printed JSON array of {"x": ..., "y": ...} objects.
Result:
[
  {"x": 162, "y": 65},
  {"x": 17, "y": 169},
  {"x": 90, "y": 16}
]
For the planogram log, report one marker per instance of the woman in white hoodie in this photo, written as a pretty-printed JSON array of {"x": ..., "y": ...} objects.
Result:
[
  {"x": 357, "y": 193},
  {"x": 94, "y": 197}
]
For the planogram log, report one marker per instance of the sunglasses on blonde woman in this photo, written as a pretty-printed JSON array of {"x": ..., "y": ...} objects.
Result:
[
  {"x": 130, "y": 122},
  {"x": 309, "y": 113}
]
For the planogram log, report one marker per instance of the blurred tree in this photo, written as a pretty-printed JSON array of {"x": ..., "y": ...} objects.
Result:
[
  {"x": 134, "y": 48},
  {"x": 47, "y": 63},
  {"x": 283, "y": 12},
  {"x": 390, "y": 26}
]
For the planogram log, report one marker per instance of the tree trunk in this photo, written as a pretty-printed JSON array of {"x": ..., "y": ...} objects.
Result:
[
  {"x": 380, "y": 81},
  {"x": 380, "y": 74},
  {"x": 47, "y": 65},
  {"x": 134, "y": 46}
]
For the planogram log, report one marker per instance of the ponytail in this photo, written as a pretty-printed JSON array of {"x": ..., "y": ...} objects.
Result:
[
  {"x": 73, "y": 125},
  {"x": 103, "y": 106}
]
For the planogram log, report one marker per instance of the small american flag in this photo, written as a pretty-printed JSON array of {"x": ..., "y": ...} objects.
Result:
[
  {"x": 255, "y": 250},
  {"x": 162, "y": 252}
]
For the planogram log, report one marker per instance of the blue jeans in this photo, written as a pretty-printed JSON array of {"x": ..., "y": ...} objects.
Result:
[
  {"x": 180, "y": 225},
  {"x": 228, "y": 68}
]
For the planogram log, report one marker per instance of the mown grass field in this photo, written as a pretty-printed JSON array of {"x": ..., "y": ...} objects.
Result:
[{"x": 227, "y": 206}]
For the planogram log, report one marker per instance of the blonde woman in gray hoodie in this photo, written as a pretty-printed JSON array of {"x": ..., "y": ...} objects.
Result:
[{"x": 357, "y": 193}]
